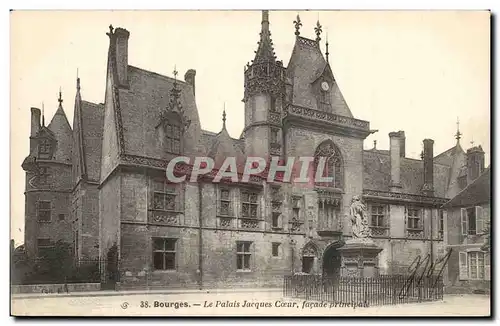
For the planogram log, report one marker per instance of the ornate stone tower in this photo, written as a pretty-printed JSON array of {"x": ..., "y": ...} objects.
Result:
[{"x": 264, "y": 91}]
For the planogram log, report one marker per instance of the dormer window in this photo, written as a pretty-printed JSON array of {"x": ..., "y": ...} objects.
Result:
[
  {"x": 172, "y": 138},
  {"x": 45, "y": 149}
]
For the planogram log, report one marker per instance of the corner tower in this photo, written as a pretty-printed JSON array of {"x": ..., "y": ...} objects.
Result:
[{"x": 264, "y": 95}]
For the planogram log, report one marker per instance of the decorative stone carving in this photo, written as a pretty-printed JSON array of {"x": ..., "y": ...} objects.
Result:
[
  {"x": 274, "y": 117},
  {"x": 249, "y": 224},
  {"x": 170, "y": 219},
  {"x": 309, "y": 251},
  {"x": 404, "y": 197},
  {"x": 326, "y": 117},
  {"x": 225, "y": 222},
  {"x": 359, "y": 222}
]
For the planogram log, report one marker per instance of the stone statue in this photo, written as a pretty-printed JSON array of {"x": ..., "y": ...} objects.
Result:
[{"x": 360, "y": 228}]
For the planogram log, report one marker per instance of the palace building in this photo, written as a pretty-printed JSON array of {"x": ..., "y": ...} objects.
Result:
[{"x": 101, "y": 183}]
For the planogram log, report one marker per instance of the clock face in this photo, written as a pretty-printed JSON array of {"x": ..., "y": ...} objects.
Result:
[{"x": 325, "y": 86}]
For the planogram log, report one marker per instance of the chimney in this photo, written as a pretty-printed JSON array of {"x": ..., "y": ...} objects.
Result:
[
  {"x": 35, "y": 121},
  {"x": 395, "y": 148},
  {"x": 402, "y": 143},
  {"x": 189, "y": 77},
  {"x": 475, "y": 163},
  {"x": 121, "y": 36},
  {"x": 428, "y": 186}
]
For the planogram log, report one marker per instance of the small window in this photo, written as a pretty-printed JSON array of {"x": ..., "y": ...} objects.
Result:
[
  {"x": 274, "y": 136},
  {"x": 44, "y": 211},
  {"x": 476, "y": 265},
  {"x": 45, "y": 149},
  {"x": 243, "y": 255},
  {"x": 296, "y": 208},
  {"x": 275, "y": 249},
  {"x": 414, "y": 221},
  {"x": 276, "y": 220},
  {"x": 249, "y": 204},
  {"x": 441, "y": 223},
  {"x": 165, "y": 197},
  {"x": 225, "y": 207},
  {"x": 61, "y": 217},
  {"x": 164, "y": 253},
  {"x": 471, "y": 218},
  {"x": 378, "y": 215}
]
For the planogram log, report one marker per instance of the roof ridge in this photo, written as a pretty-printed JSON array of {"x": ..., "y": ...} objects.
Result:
[{"x": 158, "y": 74}]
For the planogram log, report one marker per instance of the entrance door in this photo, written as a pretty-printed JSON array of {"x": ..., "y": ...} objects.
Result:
[{"x": 331, "y": 263}]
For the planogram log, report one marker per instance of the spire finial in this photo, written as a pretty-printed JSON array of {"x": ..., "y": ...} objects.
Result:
[
  {"x": 458, "y": 135},
  {"x": 224, "y": 117},
  {"x": 327, "y": 54},
  {"x": 472, "y": 142},
  {"x": 298, "y": 24},
  {"x": 111, "y": 29},
  {"x": 318, "y": 29},
  {"x": 175, "y": 72},
  {"x": 375, "y": 144},
  {"x": 43, "y": 115},
  {"x": 77, "y": 81},
  {"x": 60, "y": 100}
]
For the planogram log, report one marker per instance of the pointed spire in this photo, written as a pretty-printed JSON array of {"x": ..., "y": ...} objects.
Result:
[
  {"x": 224, "y": 117},
  {"x": 458, "y": 135},
  {"x": 265, "y": 51},
  {"x": 43, "y": 115},
  {"x": 298, "y": 24},
  {"x": 318, "y": 29},
  {"x": 77, "y": 81},
  {"x": 327, "y": 54}
]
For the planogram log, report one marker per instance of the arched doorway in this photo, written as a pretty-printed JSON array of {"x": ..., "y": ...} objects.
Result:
[{"x": 331, "y": 262}]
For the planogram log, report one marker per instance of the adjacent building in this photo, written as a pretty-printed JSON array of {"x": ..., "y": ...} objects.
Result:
[
  {"x": 101, "y": 184},
  {"x": 468, "y": 230}
]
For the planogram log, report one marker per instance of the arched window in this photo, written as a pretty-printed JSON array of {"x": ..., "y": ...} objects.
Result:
[{"x": 331, "y": 165}]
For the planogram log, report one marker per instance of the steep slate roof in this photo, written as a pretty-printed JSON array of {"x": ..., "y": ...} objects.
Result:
[
  {"x": 447, "y": 157},
  {"x": 476, "y": 193},
  {"x": 62, "y": 132},
  {"x": 377, "y": 174},
  {"x": 141, "y": 106},
  {"x": 88, "y": 122},
  {"x": 306, "y": 65}
]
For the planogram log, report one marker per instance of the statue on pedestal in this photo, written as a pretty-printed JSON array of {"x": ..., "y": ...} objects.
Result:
[{"x": 360, "y": 228}]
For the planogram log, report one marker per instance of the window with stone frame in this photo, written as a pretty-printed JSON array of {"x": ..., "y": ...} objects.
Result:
[
  {"x": 45, "y": 148},
  {"x": 173, "y": 137},
  {"x": 249, "y": 204},
  {"x": 296, "y": 208},
  {"x": 276, "y": 249},
  {"x": 274, "y": 136},
  {"x": 164, "y": 253},
  {"x": 165, "y": 196},
  {"x": 378, "y": 215},
  {"x": 414, "y": 219},
  {"x": 276, "y": 220},
  {"x": 44, "y": 211},
  {"x": 44, "y": 246},
  {"x": 225, "y": 202},
  {"x": 44, "y": 176},
  {"x": 273, "y": 106},
  {"x": 243, "y": 255}
]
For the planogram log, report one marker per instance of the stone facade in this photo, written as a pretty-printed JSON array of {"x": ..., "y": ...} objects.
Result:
[{"x": 217, "y": 234}]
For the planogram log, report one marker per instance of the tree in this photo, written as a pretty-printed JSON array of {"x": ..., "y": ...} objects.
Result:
[{"x": 487, "y": 241}]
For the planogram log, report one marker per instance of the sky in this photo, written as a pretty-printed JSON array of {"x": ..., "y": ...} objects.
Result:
[{"x": 417, "y": 71}]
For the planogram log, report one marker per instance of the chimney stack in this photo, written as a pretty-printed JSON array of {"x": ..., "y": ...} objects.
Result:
[
  {"x": 189, "y": 77},
  {"x": 395, "y": 148},
  {"x": 402, "y": 143},
  {"x": 120, "y": 37},
  {"x": 475, "y": 163},
  {"x": 428, "y": 186},
  {"x": 35, "y": 121}
]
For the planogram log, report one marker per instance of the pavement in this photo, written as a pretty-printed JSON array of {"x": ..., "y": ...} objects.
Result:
[{"x": 228, "y": 302}]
